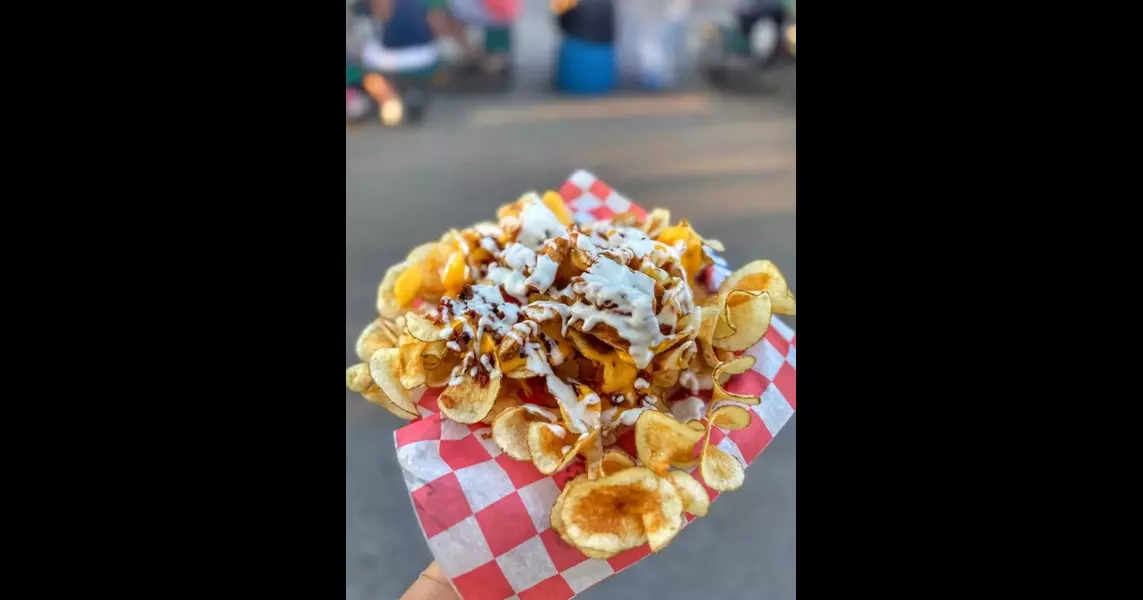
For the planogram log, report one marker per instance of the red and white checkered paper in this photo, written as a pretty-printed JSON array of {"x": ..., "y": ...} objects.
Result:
[{"x": 486, "y": 516}]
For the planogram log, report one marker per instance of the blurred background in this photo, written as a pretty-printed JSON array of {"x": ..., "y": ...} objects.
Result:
[{"x": 454, "y": 107}]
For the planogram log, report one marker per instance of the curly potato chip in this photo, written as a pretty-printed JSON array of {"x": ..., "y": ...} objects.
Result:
[
  {"x": 433, "y": 354},
  {"x": 622, "y": 511},
  {"x": 608, "y": 516},
  {"x": 506, "y": 400},
  {"x": 657, "y": 222},
  {"x": 750, "y": 313},
  {"x": 387, "y": 304},
  {"x": 593, "y": 455},
  {"x": 385, "y": 367},
  {"x": 470, "y": 401},
  {"x": 676, "y": 359},
  {"x": 358, "y": 379},
  {"x": 511, "y": 430},
  {"x": 695, "y": 499},
  {"x": 693, "y": 257},
  {"x": 711, "y": 314},
  {"x": 440, "y": 375},
  {"x": 723, "y": 372},
  {"x": 662, "y": 442},
  {"x": 553, "y": 447},
  {"x": 407, "y": 286},
  {"x": 762, "y": 276},
  {"x": 730, "y": 417},
  {"x": 615, "y": 461},
  {"x": 721, "y": 471},
  {"x": 558, "y": 526},
  {"x": 724, "y": 327},
  {"x": 379, "y": 334},
  {"x": 557, "y": 519},
  {"x": 423, "y": 329},
  {"x": 412, "y": 364}
]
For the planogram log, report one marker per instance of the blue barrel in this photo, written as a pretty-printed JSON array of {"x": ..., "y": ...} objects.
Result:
[{"x": 585, "y": 67}]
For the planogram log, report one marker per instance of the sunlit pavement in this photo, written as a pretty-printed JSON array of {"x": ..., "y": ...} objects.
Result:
[{"x": 728, "y": 164}]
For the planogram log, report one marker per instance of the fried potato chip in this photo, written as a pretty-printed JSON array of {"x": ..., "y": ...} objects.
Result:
[
  {"x": 378, "y": 334},
  {"x": 721, "y": 471},
  {"x": 693, "y": 257},
  {"x": 442, "y": 374},
  {"x": 615, "y": 461},
  {"x": 422, "y": 253},
  {"x": 677, "y": 358},
  {"x": 622, "y": 511},
  {"x": 593, "y": 455},
  {"x": 730, "y": 417},
  {"x": 750, "y": 314},
  {"x": 470, "y": 401},
  {"x": 697, "y": 426},
  {"x": 387, "y": 304},
  {"x": 412, "y": 364},
  {"x": 662, "y": 442},
  {"x": 557, "y": 521},
  {"x": 724, "y": 327},
  {"x": 433, "y": 354},
  {"x": 507, "y": 400},
  {"x": 723, "y": 372},
  {"x": 422, "y": 328},
  {"x": 762, "y": 276},
  {"x": 358, "y": 379},
  {"x": 385, "y": 368},
  {"x": 711, "y": 315},
  {"x": 510, "y": 431},
  {"x": 657, "y": 222},
  {"x": 557, "y": 518},
  {"x": 695, "y": 499},
  {"x": 619, "y": 372},
  {"x": 408, "y": 286},
  {"x": 553, "y": 447}
]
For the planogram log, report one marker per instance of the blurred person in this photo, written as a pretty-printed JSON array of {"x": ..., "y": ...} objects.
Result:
[
  {"x": 761, "y": 22},
  {"x": 652, "y": 39},
  {"x": 495, "y": 18},
  {"x": 400, "y": 60},
  {"x": 358, "y": 30},
  {"x": 586, "y": 61}
]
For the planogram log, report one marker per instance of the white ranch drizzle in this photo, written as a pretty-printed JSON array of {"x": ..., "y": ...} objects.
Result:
[
  {"x": 542, "y": 412},
  {"x": 624, "y": 300},
  {"x": 538, "y": 223}
]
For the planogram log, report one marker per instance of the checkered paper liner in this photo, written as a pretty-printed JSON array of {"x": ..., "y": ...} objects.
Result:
[{"x": 486, "y": 516}]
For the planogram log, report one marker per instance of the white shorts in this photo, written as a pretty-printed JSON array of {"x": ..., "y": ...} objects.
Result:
[{"x": 375, "y": 57}]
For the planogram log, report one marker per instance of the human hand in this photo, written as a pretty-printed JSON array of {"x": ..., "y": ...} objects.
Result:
[{"x": 431, "y": 585}]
